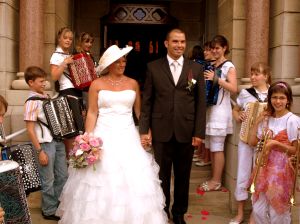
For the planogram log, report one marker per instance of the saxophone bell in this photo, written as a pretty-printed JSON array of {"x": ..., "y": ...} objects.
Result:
[{"x": 261, "y": 158}]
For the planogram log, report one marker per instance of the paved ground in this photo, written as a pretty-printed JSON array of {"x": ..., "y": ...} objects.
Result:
[{"x": 207, "y": 208}]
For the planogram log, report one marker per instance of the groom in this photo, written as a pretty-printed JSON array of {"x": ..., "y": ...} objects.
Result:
[{"x": 173, "y": 110}]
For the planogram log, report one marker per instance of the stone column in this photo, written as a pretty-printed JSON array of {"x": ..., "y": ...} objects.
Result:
[
  {"x": 31, "y": 48},
  {"x": 257, "y": 33}
]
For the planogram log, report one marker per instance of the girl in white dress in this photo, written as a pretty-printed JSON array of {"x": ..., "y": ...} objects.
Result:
[
  {"x": 125, "y": 187},
  {"x": 219, "y": 116},
  {"x": 274, "y": 180}
]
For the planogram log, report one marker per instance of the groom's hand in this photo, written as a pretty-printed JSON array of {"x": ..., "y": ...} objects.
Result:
[
  {"x": 146, "y": 140},
  {"x": 196, "y": 141}
]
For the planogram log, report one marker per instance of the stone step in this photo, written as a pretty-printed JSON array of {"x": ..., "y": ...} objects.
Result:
[
  {"x": 197, "y": 172},
  {"x": 34, "y": 200}
]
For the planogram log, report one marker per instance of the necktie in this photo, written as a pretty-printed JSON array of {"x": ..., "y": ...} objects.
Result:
[{"x": 175, "y": 71}]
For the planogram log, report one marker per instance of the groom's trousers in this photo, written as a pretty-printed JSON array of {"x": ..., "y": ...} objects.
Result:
[{"x": 179, "y": 155}]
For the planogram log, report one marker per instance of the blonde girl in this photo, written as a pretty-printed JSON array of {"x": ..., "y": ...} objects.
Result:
[{"x": 260, "y": 79}]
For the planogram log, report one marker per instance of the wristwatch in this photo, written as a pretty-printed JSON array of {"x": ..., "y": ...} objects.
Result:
[{"x": 38, "y": 151}]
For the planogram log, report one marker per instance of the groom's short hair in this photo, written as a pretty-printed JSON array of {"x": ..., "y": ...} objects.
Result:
[{"x": 176, "y": 30}]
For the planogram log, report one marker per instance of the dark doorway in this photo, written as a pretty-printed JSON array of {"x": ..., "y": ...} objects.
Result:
[{"x": 147, "y": 42}]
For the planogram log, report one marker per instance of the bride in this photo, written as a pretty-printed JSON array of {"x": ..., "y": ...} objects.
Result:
[{"x": 125, "y": 187}]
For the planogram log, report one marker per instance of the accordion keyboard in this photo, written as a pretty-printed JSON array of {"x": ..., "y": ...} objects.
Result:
[{"x": 60, "y": 117}]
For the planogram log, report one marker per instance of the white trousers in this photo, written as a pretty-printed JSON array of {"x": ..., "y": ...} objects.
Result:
[
  {"x": 244, "y": 168},
  {"x": 263, "y": 213}
]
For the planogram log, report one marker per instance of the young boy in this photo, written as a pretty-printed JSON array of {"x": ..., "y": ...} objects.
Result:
[{"x": 51, "y": 153}]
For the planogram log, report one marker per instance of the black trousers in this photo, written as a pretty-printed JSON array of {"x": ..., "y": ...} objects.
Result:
[{"x": 179, "y": 155}]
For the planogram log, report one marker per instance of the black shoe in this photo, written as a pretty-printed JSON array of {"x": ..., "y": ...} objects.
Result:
[
  {"x": 178, "y": 219},
  {"x": 50, "y": 217}
]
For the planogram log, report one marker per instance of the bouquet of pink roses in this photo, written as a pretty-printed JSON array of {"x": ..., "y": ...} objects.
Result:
[{"x": 86, "y": 151}]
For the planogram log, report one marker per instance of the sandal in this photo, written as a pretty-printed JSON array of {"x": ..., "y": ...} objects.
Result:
[
  {"x": 204, "y": 187},
  {"x": 202, "y": 163},
  {"x": 233, "y": 221}
]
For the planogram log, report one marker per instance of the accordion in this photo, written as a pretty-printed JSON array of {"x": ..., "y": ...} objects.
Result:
[
  {"x": 12, "y": 195},
  {"x": 211, "y": 86},
  {"x": 82, "y": 71},
  {"x": 60, "y": 117},
  {"x": 252, "y": 111},
  {"x": 24, "y": 155}
]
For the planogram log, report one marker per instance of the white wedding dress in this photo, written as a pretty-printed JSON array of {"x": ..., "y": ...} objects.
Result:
[{"x": 124, "y": 188}]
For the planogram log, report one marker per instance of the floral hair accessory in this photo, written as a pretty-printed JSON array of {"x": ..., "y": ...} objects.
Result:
[
  {"x": 86, "y": 151},
  {"x": 191, "y": 81},
  {"x": 282, "y": 85}
]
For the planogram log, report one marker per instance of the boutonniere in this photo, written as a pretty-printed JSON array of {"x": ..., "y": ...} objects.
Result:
[{"x": 191, "y": 81}]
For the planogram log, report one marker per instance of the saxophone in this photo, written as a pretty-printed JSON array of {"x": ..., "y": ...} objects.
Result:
[
  {"x": 295, "y": 164},
  {"x": 262, "y": 157}
]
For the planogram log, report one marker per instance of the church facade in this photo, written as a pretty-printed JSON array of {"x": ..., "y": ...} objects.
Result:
[{"x": 257, "y": 30}]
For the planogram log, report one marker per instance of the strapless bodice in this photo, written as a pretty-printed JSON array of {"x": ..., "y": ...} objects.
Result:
[{"x": 115, "y": 108}]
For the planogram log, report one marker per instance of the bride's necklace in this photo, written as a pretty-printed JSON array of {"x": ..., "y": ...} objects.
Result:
[{"x": 116, "y": 82}]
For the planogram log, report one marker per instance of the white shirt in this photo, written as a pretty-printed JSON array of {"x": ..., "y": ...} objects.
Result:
[
  {"x": 179, "y": 65},
  {"x": 219, "y": 116},
  {"x": 33, "y": 112},
  {"x": 245, "y": 97},
  {"x": 289, "y": 121},
  {"x": 58, "y": 59}
]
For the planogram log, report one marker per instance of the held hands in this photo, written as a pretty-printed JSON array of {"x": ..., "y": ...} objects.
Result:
[
  {"x": 146, "y": 140},
  {"x": 196, "y": 141},
  {"x": 209, "y": 75},
  {"x": 43, "y": 158}
]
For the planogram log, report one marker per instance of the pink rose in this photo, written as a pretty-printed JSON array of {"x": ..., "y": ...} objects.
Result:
[
  {"x": 85, "y": 147},
  {"x": 94, "y": 142},
  {"x": 78, "y": 138},
  {"x": 91, "y": 159}
]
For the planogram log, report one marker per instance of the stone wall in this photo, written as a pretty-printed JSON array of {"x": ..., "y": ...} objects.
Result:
[
  {"x": 87, "y": 18},
  {"x": 231, "y": 24},
  {"x": 57, "y": 13},
  {"x": 285, "y": 39},
  {"x": 191, "y": 17},
  {"x": 9, "y": 47},
  {"x": 9, "y": 40}
]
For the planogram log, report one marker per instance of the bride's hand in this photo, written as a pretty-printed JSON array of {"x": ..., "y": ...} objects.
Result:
[{"x": 146, "y": 140}]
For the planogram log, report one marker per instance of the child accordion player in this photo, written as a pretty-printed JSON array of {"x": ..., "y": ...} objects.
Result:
[{"x": 260, "y": 78}]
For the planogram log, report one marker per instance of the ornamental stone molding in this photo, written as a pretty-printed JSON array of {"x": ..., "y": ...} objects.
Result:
[{"x": 139, "y": 14}]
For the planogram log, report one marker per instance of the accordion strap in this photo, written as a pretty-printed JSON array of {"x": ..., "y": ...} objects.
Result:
[
  {"x": 64, "y": 73},
  {"x": 254, "y": 93},
  {"x": 40, "y": 123},
  {"x": 218, "y": 72}
]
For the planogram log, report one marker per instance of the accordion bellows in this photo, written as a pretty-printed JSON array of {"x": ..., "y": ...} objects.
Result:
[
  {"x": 60, "y": 118},
  {"x": 12, "y": 194},
  {"x": 252, "y": 111},
  {"x": 24, "y": 155},
  {"x": 82, "y": 71}
]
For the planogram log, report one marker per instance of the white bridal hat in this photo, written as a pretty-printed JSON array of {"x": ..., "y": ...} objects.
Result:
[{"x": 112, "y": 54}]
